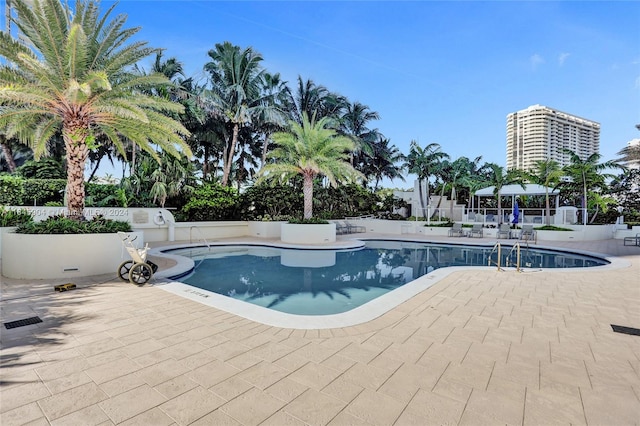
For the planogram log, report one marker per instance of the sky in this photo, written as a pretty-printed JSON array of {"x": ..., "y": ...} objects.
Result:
[{"x": 447, "y": 72}]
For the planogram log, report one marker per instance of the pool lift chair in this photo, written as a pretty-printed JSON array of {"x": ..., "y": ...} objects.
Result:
[{"x": 138, "y": 270}]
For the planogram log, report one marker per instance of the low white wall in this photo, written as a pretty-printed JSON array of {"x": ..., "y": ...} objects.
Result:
[
  {"x": 265, "y": 229},
  {"x": 3, "y": 231},
  {"x": 47, "y": 256},
  {"x": 308, "y": 233},
  {"x": 194, "y": 231}
]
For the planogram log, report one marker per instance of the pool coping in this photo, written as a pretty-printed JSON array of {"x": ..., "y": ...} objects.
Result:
[{"x": 361, "y": 314}]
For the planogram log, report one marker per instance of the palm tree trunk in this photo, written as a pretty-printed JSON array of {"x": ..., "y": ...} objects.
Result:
[
  {"x": 232, "y": 149},
  {"x": 307, "y": 191},
  {"x": 205, "y": 163},
  {"x": 76, "y": 155},
  {"x": 584, "y": 200},
  {"x": 421, "y": 198},
  {"x": 95, "y": 169},
  {"x": 8, "y": 155},
  {"x": 265, "y": 147},
  {"x": 548, "y": 218}
]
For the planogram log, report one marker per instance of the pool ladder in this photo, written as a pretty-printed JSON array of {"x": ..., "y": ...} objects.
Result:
[{"x": 498, "y": 248}]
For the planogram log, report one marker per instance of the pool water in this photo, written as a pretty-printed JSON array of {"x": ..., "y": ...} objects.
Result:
[{"x": 322, "y": 282}]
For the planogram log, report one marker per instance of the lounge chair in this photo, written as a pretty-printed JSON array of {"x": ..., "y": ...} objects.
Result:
[
  {"x": 341, "y": 228},
  {"x": 504, "y": 231},
  {"x": 633, "y": 241},
  {"x": 456, "y": 230},
  {"x": 476, "y": 231},
  {"x": 527, "y": 233},
  {"x": 355, "y": 228}
]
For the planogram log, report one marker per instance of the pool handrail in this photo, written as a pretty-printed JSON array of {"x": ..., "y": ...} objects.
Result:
[{"x": 201, "y": 234}]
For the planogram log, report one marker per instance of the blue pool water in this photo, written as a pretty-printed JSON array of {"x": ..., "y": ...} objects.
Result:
[{"x": 322, "y": 282}]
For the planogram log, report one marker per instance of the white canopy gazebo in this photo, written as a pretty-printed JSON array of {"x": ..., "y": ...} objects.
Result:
[{"x": 517, "y": 190}]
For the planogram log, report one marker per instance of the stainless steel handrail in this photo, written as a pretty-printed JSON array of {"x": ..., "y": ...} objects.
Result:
[
  {"x": 515, "y": 247},
  {"x": 201, "y": 234},
  {"x": 497, "y": 247}
]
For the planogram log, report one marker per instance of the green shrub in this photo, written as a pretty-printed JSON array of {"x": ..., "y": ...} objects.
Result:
[
  {"x": 104, "y": 195},
  {"x": 41, "y": 191},
  {"x": 11, "y": 190},
  {"x": 45, "y": 168},
  {"x": 63, "y": 225},
  {"x": 310, "y": 221},
  {"x": 211, "y": 201},
  {"x": 440, "y": 225},
  {"x": 419, "y": 219},
  {"x": 552, "y": 228},
  {"x": 14, "y": 217}
]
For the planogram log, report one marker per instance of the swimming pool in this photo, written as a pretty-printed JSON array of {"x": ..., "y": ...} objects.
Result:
[{"x": 326, "y": 282}]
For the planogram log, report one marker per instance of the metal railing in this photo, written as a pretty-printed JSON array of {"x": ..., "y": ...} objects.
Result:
[
  {"x": 497, "y": 247},
  {"x": 515, "y": 247},
  {"x": 201, "y": 235},
  {"x": 498, "y": 262}
]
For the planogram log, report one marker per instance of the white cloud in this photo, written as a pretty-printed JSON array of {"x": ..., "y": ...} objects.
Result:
[
  {"x": 536, "y": 60},
  {"x": 563, "y": 57}
]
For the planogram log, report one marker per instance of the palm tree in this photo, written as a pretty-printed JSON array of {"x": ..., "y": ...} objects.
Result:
[
  {"x": 460, "y": 171},
  {"x": 311, "y": 149},
  {"x": 354, "y": 125},
  {"x": 236, "y": 92},
  {"x": 382, "y": 163},
  {"x": 316, "y": 101},
  {"x": 630, "y": 155},
  {"x": 587, "y": 174},
  {"x": 74, "y": 76},
  {"x": 546, "y": 173},
  {"x": 498, "y": 178},
  {"x": 423, "y": 162},
  {"x": 278, "y": 95}
]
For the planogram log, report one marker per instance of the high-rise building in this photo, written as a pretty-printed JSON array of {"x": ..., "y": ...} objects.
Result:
[{"x": 543, "y": 133}]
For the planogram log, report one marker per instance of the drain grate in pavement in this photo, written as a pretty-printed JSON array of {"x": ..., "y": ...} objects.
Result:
[
  {"x": 625, "y": 330},
  {"x": 22, "y": 322}
]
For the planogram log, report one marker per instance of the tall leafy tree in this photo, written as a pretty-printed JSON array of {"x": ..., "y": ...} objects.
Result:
[
  {"x": 236, "y": 94},
  {"x": 310, "y": 149},
  {"x": 354, "y": 124},
  {"x": 317, "y": 101},
  {"x": 278, "y": 95},
  {"x": 630, "y": 155},
  {"x": 548, "y": 174},
  {"x": 587, "y": 174},
  {"x": 74, "y": 75},
  {"x": 384, "y": 162},
  {"x": 423, "y": 162}
]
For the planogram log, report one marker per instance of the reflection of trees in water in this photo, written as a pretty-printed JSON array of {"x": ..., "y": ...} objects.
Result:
[{"x": 251, "y": 277}]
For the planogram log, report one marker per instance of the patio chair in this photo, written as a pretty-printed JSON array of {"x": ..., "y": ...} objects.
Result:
[
  {"x": 633, "y": 241},
  {"x": 527, "y": 233},
  {"x": 456, "y": 230},
  {"x": 341, "y": 228},
  {"x": 489, "y": 218},
  {"x": 355, "y": 228},
  {"x": 476, "y": 231},
  {"x": 504, "y": 231}
]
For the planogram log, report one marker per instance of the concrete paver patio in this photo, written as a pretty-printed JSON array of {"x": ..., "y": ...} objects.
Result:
[{"x": 478, "y": 347}]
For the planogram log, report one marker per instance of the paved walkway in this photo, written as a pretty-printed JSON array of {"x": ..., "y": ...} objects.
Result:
[{"x": 477, "y": 348}]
